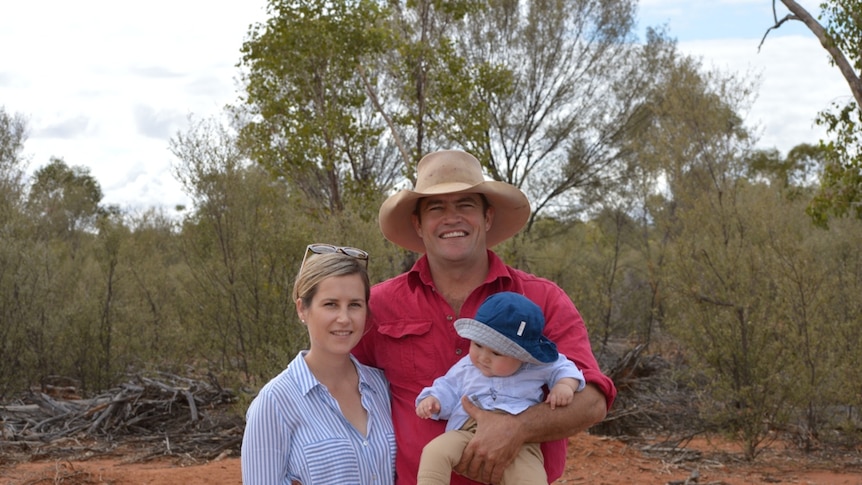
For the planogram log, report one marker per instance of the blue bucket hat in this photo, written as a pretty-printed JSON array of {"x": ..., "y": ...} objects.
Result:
[{"x": 512, "y": 325}]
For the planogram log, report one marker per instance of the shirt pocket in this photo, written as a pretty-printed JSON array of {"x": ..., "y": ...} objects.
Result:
[
  {"x": 408, "y": 354},
  {"x": 331, "y": 461}
]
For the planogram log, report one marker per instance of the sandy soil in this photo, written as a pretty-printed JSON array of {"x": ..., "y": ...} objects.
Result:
[{"x": 592, "y": 460}]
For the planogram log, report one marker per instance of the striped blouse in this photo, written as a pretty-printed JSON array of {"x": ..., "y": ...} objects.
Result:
[{"x": 295, "y": 431}]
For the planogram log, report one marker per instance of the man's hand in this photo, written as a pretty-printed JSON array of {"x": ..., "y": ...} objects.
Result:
[{"x": 494, "y": 447}]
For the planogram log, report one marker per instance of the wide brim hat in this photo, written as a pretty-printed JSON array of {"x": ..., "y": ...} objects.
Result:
[
  {"x": 451, "y": 172},
  {"x": 510, "y": 324}
]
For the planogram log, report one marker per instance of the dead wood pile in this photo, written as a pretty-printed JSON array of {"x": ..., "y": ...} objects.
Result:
[
  {"x": 651, "y": 396},
  {"x": 163, "y": 416}
]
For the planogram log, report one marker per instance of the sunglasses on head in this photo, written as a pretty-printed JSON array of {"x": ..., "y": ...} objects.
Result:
[{"x": 320, "y": 248}]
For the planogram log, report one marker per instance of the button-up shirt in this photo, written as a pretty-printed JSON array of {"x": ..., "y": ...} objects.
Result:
[
  {"x": 511, "y": 394},
  {"x": 411, "y": 336},
  {"x": 295, "y": 431}
]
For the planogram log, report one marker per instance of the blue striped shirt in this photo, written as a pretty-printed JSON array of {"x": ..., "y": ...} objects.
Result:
[{"x": 296, "y": 431}]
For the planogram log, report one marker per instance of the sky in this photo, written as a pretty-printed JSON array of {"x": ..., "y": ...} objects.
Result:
[{"x": 106, "y": 85}]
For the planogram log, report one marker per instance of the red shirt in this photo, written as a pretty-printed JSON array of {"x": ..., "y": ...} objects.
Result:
[{"x": 410, "y": 334}]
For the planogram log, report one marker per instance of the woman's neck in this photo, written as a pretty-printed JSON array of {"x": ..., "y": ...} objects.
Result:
[{"x": 330, "y": 369}]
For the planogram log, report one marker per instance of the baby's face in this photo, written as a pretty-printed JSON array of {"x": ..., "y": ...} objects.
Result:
[{"x": 492, "y": 364}]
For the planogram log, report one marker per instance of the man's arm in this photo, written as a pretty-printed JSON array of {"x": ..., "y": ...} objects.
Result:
[{"x": 500, "y": 436}]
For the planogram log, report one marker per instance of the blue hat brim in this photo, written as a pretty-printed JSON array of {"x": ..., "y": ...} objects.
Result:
[{"x": 542, "y": 351}]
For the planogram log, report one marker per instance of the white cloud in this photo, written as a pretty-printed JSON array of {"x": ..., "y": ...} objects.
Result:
[
  {"x": 106, "y": 84},
  {"x": 161, "y": 124},
  {"x": 796, "y": 82},
  {"x": 65, "y": 128}
]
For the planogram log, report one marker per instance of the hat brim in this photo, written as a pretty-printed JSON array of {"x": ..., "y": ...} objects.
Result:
[
  {"x": 512, "y": 210},
  {"x": 486, "y": 336}
]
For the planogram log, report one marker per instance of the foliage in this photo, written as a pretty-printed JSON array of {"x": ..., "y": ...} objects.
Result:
[
  {"x": 841, "y": 182},
  {"x": 13, "y": 134},
  {"x": 236, "y": 249},
  {"x": 539, "y": 91},
  {"x": 798, "y": 169},
  {"x": 722, "y": 309},
  {"x": 839, "y": 30},
  {"x": 311, "y": 122},
  {"x": 65, "y": 198},
  {"x": 13, "y": 246},
  {"x": 149, "y": 288}
]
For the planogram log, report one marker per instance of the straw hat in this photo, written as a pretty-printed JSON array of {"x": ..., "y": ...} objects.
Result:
[
  {"x": 510, "y": 324},
  {"x": 450, "y": 172}
]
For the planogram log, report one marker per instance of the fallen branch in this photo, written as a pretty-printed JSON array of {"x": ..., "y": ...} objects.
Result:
[{"x": 191, "y": 416}]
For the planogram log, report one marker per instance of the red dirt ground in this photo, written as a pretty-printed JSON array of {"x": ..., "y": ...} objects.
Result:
[{"x": 592, "y": 460}]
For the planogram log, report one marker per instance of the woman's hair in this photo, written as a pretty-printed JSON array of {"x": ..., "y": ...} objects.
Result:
[{"x": 318, "y": 267}]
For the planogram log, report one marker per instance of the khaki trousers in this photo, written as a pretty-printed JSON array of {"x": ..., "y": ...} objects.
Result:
[{"x": 442, "y": 453}]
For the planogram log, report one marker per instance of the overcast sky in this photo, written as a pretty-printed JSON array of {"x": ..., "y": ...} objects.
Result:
[
  {"x": 106, "y": 84},
  {"x": 794, "y": 76}
]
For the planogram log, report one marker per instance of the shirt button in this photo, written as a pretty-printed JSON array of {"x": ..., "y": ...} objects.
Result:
[
  {"x": 449, "y": 317},
  {"x": 457, "y": 351},
  {"x": 365, "y": 443}
]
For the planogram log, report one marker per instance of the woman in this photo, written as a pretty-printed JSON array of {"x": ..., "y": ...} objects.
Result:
[{"x": 326, "y": 418}]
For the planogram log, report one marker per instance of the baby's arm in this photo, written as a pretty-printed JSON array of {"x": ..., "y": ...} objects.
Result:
[
  {"x": 428, "y": 407},
  {"x": 563, "y": 392}
]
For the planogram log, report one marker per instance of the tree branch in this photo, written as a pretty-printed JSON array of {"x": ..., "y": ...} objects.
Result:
[
  {"x": 826, "y": 41},
  {"x": 778, "y": 23},
  {"x": 373, "y": 96}
]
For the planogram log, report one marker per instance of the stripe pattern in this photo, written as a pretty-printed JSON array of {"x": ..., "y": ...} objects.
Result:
[{"x": 295, "y": 431}]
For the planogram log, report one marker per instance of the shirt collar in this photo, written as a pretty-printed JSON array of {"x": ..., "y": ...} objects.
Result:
[
  {"x": 421, "y": 270},
  {"x": 306, "y": 380}
]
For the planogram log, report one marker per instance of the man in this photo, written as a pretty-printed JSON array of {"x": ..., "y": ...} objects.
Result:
[{"x": 453, "y": 216}]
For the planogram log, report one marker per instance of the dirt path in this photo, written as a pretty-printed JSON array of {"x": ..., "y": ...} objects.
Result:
[{"x": 592, "y": 460}]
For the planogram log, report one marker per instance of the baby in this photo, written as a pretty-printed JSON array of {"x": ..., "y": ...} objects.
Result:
[{"x": 509, "y": 363}]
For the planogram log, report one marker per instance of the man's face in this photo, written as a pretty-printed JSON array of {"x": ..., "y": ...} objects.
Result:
[{"x": 453, "y": 226}]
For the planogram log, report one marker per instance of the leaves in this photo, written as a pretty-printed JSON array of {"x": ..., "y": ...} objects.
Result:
[
  {"x": 307, "y": 102},
  {"x": 841, "y": 35},
  {"x": 840, "y": 191}
]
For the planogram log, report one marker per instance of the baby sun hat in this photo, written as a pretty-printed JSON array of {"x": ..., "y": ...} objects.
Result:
[{"x": 512, "y": 325}]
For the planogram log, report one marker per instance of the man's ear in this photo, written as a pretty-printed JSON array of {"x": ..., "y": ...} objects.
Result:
[
  {"x": 489, "y": 217},
  {"x": 417, "y": 224}
]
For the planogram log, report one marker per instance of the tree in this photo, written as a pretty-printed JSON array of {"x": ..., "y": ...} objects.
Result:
[
  {"x": 420, "y": 32},
  {"x": 704, "y": 246},
  {"x": 841, "y": 183},
  {"x": 540, "y": 91},
  {"x": 721, "y": 307},
  {"x": 67, "y": 198},
  {"x": 797, "y": 170},
  {"x": 681, "y": 138},
  {"x": 14, "y": 279},
  {"x": 238, "y": 244},
  {"x": 311, "y": 120},
  {"x": 153, "y": 278},
  {"x": 13, "y": 134}
]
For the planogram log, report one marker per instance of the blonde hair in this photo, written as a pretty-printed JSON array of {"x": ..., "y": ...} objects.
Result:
[{"x": 319, "y": 267}]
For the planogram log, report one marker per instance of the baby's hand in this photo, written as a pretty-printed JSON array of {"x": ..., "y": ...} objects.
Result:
[
  {"x": 561, "y": 395},
  {"x": 428, "y": 407}
]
